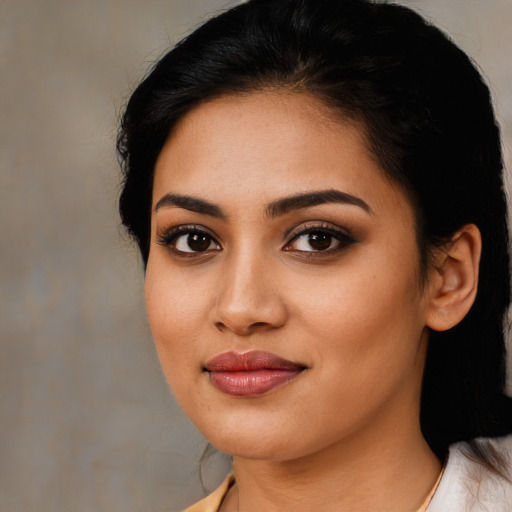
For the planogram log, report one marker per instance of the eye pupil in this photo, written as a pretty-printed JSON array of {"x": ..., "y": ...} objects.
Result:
[
  {"x": 320, "y": 241},
  {"x": 198, "y": 242}
]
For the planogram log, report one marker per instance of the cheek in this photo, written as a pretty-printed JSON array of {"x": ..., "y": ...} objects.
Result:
[
  {"x": 368, "y": 336},
  {"x": 367, "y": 321},
  {"x": 355, "y": 299},
  {"x": 174, "y": 310}
]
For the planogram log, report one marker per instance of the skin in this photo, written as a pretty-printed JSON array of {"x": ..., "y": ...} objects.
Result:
[{"x": 344, "y": 435}]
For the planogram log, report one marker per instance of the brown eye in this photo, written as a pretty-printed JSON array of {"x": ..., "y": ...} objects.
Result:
[
  {"x": 198, "y": 242},
  {"x": 188, "y": 240},
  {"x": 315, "y": 241},
  {"x": 194, "y": 242},
  {"x": 319, "y": 241}
]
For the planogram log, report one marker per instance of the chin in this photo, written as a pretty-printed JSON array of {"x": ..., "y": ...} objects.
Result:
[
  {"x": 272, "y": 442},
  {"x": 258, "y": 449}
]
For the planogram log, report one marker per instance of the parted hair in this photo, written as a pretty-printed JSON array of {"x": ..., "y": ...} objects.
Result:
[{"x": 428, "y": 120}]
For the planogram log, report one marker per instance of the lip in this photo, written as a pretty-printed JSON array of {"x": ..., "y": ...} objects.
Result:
[{"x": 251, "y": 373}]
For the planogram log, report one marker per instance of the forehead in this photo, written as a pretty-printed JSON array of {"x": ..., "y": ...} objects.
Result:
[{"x": 254, "y": 147}]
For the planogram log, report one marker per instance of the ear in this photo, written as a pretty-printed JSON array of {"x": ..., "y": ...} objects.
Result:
[{"x": 453, "y": 280}]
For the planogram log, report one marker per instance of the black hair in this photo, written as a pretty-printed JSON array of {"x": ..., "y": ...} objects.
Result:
[{"x": 428, "y": 120}]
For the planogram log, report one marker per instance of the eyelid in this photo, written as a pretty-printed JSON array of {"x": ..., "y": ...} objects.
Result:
[{"x": 311, "y": 225}]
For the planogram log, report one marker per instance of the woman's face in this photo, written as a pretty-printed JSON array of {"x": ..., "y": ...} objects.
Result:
[{"x": 283, "y": 287}]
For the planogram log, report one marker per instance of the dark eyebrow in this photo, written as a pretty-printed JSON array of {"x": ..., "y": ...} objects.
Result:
[
  {"x": 300, "y": 201},
  {"x": 194, "y": 204}
]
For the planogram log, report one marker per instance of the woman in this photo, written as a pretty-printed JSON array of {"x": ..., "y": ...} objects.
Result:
[{"x": 316, "y": 190}]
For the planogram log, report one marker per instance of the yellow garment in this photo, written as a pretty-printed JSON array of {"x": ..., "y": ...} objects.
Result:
[{"x": 213, "y": 501}]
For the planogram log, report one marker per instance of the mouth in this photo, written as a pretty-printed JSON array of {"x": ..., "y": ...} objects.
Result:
[{"x": 250, "y": 374}]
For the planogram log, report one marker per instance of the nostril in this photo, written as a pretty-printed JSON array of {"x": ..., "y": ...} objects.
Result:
[
  {"x": 220, "y": 326},
  {"x": 243, "y": 329},
  {"x": 257, "y": 325}
]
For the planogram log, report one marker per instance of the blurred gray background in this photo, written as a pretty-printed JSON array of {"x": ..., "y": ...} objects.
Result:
[{"x": 87, "y": 422}]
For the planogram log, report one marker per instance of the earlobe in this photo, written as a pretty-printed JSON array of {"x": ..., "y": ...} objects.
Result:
[{"x": 454, "y": 279}]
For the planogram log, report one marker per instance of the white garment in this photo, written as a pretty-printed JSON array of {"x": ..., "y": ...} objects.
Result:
[{"x": 467, "y": 486}]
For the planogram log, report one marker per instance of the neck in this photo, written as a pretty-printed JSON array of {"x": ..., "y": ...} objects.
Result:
[{"x": 393, "y": 471}]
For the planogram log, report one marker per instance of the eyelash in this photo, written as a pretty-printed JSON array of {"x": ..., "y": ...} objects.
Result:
[{"x": 343, "y": 238}]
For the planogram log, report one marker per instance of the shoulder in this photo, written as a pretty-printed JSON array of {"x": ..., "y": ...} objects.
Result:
[
  {"x": 213, "y": 501},
  {"x": 468, "y": 486}
]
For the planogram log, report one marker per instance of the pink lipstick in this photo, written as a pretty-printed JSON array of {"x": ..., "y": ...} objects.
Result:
[{"x": 251, "y": 373}]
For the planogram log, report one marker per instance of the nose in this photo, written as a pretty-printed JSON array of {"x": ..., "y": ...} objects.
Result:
[{"x": 249, "y": 298}]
